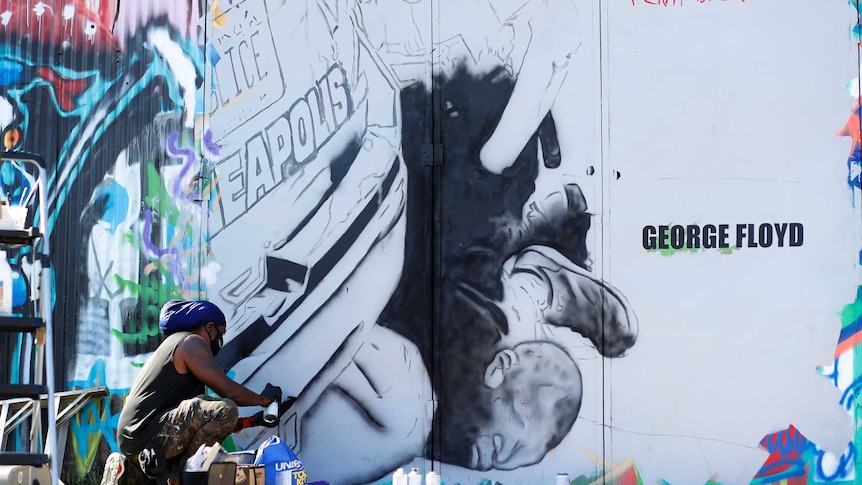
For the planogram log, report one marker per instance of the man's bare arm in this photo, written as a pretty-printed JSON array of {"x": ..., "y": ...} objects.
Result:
[{"x": 195, "y": 356}]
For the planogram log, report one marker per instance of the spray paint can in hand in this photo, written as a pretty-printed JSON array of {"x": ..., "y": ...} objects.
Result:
[
  {"x": 270, "y": 415},
  {"x": 414, "y": 477},
  {"x": 562, "y": 479}
]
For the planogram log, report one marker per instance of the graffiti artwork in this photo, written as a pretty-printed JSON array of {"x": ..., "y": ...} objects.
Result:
[
  {"x": 110, "y": 104},
  {"x": 499, "y": 240}
]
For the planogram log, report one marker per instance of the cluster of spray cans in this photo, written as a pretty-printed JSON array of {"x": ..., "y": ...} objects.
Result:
[{"x": 414, "y": 477}]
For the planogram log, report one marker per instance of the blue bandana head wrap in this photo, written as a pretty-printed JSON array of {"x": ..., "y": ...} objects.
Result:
[{"x": 185, "y": 316}]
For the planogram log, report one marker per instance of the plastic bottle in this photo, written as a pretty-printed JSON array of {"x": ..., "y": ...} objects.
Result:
[
  {"x": 5, "y": 285},
  {"x": 432, "y": 478},
  {"x": 414, "y": 477},
  {"x": 399, "y": 477},
  {"x": 19, "y": 288}
]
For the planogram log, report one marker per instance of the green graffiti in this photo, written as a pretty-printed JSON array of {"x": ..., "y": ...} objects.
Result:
[
  {"x": 132, "y": 240},
  {"x": 151, "y": 292},
  {"x": 89, "y": 426},
  {"x": 669, "y": 251},
  {"x": 592, "y": 480},
  {"x": 86, "y": 448},
  {"x": 582, "y": 480},
  {"x": 851, "y": 313},
  {"x": 157, "y": 283},
  {"x": 161, "y": 202}
]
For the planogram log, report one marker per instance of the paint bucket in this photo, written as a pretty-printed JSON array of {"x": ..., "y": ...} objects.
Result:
[
  {"x": 12, "y": 217},
  {"x": 562, "y": 479}
]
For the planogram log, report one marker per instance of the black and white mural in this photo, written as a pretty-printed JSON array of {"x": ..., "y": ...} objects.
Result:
[{"x": 426, "y": 308}]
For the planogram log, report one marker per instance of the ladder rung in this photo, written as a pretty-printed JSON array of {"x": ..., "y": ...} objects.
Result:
[
  {"x": 21, "y": 324},
  {"x": 18, "y": 236},
  {"x": 32, "y": 459},
  {"x": 32, "y": 391}
]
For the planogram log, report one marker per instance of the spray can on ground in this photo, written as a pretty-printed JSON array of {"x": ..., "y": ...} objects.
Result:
[
  {"x": 414, "y": 477},
  {"x": 432, "y": 478},
  {"x": 399, "y": 477}
]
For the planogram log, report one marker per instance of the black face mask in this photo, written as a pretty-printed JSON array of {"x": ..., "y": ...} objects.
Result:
[{"x": 215, "y": 344}]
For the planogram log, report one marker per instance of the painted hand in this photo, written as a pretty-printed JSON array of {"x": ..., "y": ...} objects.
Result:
[{"x": 536, "y": 40}]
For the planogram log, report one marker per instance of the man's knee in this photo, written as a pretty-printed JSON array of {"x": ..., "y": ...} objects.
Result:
[
  {"x": 215, "y": 417},
  {"x": 218, "y": 418},
  {"x": 228, "y": 413},
  {"x": 212, "y": 408},
  {"x": 219, "y": 415}
]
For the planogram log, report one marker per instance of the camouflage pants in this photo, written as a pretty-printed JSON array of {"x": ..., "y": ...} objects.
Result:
[{"x": 197, "y": 421}]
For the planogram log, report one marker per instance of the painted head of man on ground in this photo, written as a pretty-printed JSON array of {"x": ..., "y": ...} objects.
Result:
[{"x": 529, "y": 401}]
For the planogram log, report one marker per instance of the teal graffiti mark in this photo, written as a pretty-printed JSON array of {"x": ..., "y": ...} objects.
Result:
[
  {"x": 157, "y": 68},
  {"x": 856, "y": 31},
  {"x": 115, "y": 200}
]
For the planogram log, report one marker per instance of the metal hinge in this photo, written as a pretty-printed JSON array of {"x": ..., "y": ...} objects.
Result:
[{"x": 432, "y": 154}]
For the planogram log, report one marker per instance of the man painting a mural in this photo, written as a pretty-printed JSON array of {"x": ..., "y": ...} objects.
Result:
[
  {"x": 167, "y": 416},
  {"x": 356, "y": 191}
]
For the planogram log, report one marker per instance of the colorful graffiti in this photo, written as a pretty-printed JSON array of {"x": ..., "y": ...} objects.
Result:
[
  {"x": 95, "y": 423},
  {"x": 793, "y": 459},
  {"x": 105, "y": 91}
]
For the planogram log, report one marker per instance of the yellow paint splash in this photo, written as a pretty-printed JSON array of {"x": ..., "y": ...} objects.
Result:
[{"x": 219, "y": 19}]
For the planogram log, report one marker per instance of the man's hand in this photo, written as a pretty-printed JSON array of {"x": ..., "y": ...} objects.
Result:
[
  {"x": 256, "y": 419},
  {"x": 534, "y": 39},
  {"x": 272, "y": 393},
  {"x": 545, "y": 36},
  {"x": 259, "y": 421}
]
